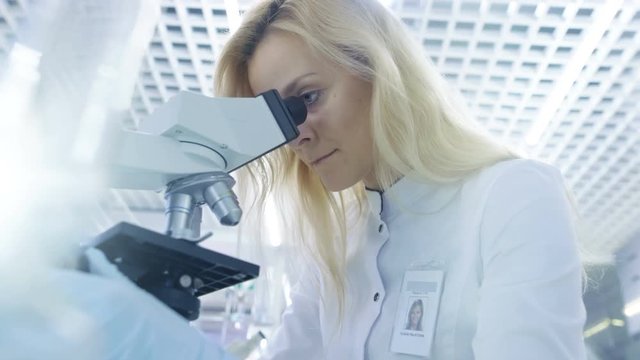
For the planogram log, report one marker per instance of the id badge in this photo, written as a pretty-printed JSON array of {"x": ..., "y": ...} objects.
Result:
[{"x": 417, "y": 312}]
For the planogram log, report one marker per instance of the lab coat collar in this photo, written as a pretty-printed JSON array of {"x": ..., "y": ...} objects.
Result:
[{"x": 409, "y": 194}]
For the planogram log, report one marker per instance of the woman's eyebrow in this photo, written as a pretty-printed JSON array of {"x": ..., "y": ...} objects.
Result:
[{"x": 293, "y": 84}]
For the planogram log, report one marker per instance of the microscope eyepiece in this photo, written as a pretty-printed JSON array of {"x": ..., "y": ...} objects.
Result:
[
  {"x": 289, "y": 113},
  {"x": 297, "y": 108}
]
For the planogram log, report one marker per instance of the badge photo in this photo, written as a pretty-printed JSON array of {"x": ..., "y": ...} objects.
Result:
[{"x": 417, "y": 312}]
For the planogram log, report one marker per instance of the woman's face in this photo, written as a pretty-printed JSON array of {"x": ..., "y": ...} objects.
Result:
[
  {"x": 335, "y": 140},
  {"x": 416, "y": 314}
]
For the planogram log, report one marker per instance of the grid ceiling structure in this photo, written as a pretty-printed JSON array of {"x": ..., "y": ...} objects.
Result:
[{"x": 560, "y": 80}]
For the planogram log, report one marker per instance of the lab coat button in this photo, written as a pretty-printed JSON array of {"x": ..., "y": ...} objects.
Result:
[
  {"x": 380, "y": 228},
  {"x": 376, "y": 297}
]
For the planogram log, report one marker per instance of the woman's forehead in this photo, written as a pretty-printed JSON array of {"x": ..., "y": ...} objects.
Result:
[{"x": 278, "y": 61}]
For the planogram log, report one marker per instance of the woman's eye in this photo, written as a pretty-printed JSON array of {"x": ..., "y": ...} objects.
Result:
[{"x": 310, "y": 97}]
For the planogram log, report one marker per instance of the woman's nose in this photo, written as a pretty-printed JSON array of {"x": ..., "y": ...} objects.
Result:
[{"x": 306, "y": 135}]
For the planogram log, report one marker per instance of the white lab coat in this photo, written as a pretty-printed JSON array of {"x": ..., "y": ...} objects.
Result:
[{"x": 512, "y": 286}]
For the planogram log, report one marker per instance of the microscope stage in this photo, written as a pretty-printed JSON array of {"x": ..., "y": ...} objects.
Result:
[{"x": 144, "y": 255}]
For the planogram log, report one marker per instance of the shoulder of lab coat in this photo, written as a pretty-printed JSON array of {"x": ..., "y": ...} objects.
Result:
[{"x": 530, "y": 303}]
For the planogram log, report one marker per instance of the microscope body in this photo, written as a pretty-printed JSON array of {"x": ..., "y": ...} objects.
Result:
[{"x": 188, "y": 147}]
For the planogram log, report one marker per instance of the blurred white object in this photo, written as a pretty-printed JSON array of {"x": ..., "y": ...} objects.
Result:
[
  {"x": 111, "y": 316},
  {"x": 70, "y": 73}
]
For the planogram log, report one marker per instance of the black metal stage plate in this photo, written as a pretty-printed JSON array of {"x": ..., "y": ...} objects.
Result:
[{"x": 140, "y": 253}]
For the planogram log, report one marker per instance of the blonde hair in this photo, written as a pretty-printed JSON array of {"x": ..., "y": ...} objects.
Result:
[{"x": 419, "y": 127}]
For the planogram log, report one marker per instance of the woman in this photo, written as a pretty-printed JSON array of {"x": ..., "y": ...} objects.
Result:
[
  {"x": 414, "y": 317},
  {"x": 388, "y": 179}
]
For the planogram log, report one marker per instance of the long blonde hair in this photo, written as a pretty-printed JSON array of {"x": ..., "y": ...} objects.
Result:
[{"x": 419, "y": 127}]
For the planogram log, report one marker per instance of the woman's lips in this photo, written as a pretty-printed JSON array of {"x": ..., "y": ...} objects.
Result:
[{"x": 322, "y": 159}]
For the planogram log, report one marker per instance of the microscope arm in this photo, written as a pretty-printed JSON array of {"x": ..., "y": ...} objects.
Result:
[
  {"x": 193, "y": 134},
  {"x": 148, "y": 162}
]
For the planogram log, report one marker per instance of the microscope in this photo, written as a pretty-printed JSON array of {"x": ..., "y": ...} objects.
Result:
[{"x": 188, "y": 147}]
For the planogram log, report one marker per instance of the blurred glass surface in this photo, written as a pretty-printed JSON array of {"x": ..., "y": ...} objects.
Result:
[{"x": 69, "y": 76}]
